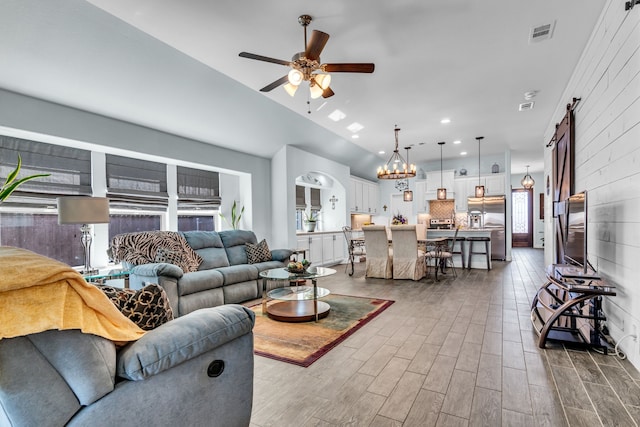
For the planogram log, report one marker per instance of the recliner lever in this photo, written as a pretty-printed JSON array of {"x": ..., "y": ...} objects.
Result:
[{"x": 215, "y": 368}]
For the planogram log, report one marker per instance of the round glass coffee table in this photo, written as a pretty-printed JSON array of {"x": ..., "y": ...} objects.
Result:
[{"x": 296, "y": 303}]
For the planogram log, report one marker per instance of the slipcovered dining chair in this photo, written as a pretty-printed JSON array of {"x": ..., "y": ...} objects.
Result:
[
  {"x": 408, "y": 260},
  {"x": 379, "y": 256}
]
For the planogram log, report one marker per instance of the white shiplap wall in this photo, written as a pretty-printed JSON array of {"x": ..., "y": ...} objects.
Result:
[{"x": 607, "y": 162}]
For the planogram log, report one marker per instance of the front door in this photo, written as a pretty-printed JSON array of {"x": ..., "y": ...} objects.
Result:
[{"x": 522, "y": 218}]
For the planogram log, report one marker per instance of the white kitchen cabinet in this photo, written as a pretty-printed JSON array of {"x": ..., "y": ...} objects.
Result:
[
  {"x": 373, "y": 198},
  {"x": 364, "y": 196},
  {"x": 461, "y": 187},
  {"x": 420, "y": 196},
  {"x": 433, "y": 180},
  {"x": 494, "y": 184},
  {"x": 332, "y": 248}
]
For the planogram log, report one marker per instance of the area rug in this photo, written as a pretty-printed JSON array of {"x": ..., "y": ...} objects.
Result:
[{"x": 303, "y": 343}]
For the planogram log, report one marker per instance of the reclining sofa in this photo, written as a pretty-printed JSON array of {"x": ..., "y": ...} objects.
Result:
[
  {"x": 212, "y": 269},
  {"x": 195, "y": 370}
]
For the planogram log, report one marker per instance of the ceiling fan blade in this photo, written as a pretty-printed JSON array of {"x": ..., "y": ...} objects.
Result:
[
  {"x": 282, "y": 80},
  {"x": 349, "y": 68},
  {"x": 327, "y": 93},
  {"x": 316, "y": 44},
  {"x": 264, "y": 58}
]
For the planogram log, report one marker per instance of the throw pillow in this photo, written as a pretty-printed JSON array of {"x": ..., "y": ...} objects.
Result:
[
  {"x": 169, "y": 256},
  {"x": 147, "y": 307},
  {"x": 259, "y": 252}
]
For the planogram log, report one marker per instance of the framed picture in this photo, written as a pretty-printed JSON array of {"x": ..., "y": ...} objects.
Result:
[{"x": 541, "y": 205}]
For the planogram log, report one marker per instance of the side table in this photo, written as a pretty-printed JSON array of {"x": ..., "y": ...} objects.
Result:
[{"x": 101, "y": 278}]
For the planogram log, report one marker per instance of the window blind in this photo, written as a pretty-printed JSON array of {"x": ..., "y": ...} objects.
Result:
[
  {"x": 315, "y": 199},
  {"x": 135, "y": 183},
  {"x": 300, "y": 199},
  {"x": 198, "y": 189},
  {"x": 69, "y": 169}
]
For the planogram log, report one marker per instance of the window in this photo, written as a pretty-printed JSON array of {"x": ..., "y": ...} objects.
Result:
[
  {"x": 136, "y": 184},
  {"x": 40, "y": 233},
  {"x": 29, "y": 219}
]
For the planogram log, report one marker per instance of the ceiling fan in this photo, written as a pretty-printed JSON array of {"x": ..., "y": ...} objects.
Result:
[{"x": 306, "y": 66}]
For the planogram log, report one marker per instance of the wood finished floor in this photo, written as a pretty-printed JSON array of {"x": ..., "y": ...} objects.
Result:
[{"x": 451, "y": 353}]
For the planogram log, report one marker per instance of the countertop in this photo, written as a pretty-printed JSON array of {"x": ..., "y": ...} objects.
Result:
[{"x": 312, "y": 233}]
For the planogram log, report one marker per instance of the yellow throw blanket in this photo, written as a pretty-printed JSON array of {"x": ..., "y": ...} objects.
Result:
[{"x": 38, "y": 293}]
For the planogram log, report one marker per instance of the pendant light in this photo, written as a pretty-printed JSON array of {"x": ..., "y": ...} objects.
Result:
[
  {"x": 527, "y": 182},
  {"x": 479, "y": 187},
  {"x": 442, "y": 192},
  {"x": 408, "y": 194}
]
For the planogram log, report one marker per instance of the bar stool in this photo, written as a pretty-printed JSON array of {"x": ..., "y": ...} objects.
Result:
[
  {"x": 487, "y": 242},
  {"x": 460, "y": 252}
]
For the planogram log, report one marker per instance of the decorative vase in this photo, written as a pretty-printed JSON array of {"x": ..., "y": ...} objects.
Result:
[{"x": 310, "y": 225}]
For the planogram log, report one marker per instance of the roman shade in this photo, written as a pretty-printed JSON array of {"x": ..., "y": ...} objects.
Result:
[
  {"x": 198, "y": 189},
  {"x": 69, "y": 169},
  {"x": 136, "y": 183}
]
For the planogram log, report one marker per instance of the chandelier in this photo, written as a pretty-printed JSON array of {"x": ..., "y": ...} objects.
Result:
[
  {"x": 527, "y": 182},
  {"x": 397, "y": 167}
]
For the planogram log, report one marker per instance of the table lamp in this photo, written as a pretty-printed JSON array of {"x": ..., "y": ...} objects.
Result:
[{"x": 84, "y": 210}]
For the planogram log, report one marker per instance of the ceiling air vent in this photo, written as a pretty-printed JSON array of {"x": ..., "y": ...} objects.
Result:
[
  {"x": 542, "y": 32},
  {"x": 526, "y": 106}
]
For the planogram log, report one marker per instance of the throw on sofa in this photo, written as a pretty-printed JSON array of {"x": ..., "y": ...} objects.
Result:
[
  {"x": 193, "y": 371},
  {"x": 198, "y": 269}
]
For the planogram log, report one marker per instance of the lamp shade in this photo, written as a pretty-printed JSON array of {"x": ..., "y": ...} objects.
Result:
[{"x": 83, "y": 210}]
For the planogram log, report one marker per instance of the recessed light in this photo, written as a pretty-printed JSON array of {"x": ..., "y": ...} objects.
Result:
[
  {"x": 381, "y": 152},
  {"x": 457, "y": 141},
  {"x": 355, "y": 127},
  {"x": 337, "y": 115},
  {"x": 445, "y": 121},
  {"x": 463, "y": 153},
  {"x": 355, "y": 136}
]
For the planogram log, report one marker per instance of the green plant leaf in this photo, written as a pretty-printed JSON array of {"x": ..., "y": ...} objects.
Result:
[{"x": 6, "y": 191}]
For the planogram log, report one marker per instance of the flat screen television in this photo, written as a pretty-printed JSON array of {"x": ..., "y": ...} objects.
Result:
[{"x": 575, "y": 244}]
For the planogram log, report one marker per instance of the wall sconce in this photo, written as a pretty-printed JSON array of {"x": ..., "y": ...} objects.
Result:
[
  {"x": 333, "y": 201},
  {"x": 408, "y": 195},
  {"x": 384, "y": 207}
]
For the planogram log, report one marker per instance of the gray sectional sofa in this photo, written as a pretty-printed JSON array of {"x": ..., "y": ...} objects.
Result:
[{"x": 224, "y": 276}]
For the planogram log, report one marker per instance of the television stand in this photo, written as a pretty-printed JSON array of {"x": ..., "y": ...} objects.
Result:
[{"x": 569, "y": 309}]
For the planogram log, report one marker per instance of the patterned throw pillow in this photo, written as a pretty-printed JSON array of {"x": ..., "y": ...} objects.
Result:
[
  {"x": 169, "y": 256},
  {"x": 147, "y": 307},
  {"x": 258, "y": 253}
]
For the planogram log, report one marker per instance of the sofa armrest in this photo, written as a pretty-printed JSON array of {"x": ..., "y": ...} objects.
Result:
[
  {"x": 182, "y": 339},
  {"x": 158, "y": 269},
  {"x": 281, "y": 255}
]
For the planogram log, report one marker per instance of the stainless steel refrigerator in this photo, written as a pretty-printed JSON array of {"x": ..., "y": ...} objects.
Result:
[{"x": 492, "y": 212}]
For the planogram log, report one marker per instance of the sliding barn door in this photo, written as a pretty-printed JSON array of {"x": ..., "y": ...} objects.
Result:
[{"x": 562, "y": 178}]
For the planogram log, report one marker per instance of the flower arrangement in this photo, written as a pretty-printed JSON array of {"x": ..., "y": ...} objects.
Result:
[{"x": 398, "y": 219}]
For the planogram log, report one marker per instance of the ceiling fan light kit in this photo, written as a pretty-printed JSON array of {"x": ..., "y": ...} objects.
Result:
[{"x": 306, "y": 66}]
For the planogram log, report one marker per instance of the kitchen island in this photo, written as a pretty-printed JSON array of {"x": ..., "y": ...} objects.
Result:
[{"x": 477, "y": 261}]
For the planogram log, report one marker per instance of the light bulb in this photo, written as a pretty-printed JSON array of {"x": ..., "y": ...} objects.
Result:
[
  {"x": 295, "y": 77},
  {"x": 316, "y": 91},
  {"x": 323, "y": 80}
]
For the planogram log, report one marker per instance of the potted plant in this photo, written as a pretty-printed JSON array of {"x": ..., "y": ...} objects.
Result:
[
  {"x": 235, "y": 216},
  {"x": 310, "y": 220},
  {"x": 11, "y": 184}
]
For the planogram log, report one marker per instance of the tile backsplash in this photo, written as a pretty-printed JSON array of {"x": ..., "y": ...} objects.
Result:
[{"x": 441, "y": 209}]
